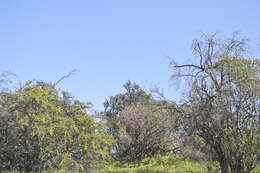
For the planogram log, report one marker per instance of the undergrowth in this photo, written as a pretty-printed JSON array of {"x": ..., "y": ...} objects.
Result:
[{"x": 165, "y": 164}]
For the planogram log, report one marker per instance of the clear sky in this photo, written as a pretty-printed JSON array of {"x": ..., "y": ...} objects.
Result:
[{"x": 112, "y": 41}]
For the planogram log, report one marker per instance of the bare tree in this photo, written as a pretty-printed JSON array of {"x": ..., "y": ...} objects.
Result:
[
  {"x": 145, "y": 130},
  {"x": 223, "y": 102}
]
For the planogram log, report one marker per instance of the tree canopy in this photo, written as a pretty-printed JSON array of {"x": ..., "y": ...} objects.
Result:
[
  {"x": 223, "y": 101},
  {"x": 43, "y": 127}
]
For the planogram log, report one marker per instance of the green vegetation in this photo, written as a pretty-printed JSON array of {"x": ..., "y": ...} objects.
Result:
[
  {"x": 43, "y": 128},
  {"x": 164, "y": 164},
  {"x": 215, "y": 130}
]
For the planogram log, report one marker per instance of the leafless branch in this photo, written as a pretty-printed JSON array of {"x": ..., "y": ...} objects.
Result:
[{"x": 64, "y": 77}]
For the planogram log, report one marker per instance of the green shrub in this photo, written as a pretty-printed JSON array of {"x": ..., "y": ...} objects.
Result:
[{"x": 43, "y": 128}]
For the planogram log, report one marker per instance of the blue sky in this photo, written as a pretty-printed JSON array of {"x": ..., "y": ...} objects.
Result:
[{"x": 112, "y": 41}]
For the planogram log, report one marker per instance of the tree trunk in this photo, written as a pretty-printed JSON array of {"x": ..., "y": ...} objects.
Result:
[{"x": 224, "y": 166}]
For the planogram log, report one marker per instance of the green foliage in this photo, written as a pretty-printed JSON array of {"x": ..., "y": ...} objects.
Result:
[
  {"x": 224, "y": 101},
  {"x": 43, "y": 128},
  {"x": 141, "y": 125},
  {"x": 115, "y": 104},
  {"x": 175, "y": 166},
  {"x": 166, "y": 164}
]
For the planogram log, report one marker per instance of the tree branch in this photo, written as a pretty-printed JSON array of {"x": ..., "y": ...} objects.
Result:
[{"x": 64, "y": 77}]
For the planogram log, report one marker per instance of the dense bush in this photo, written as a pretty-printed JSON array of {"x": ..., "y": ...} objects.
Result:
[
  {"x": 141, "y": 125},
  {"x": 133, "y": 95},
  {"x": 145, "y": 131},
  {"x": 223, "y": 100},
  {"x": 42, "y": 128},
  {"x": 195, "y": 148}
]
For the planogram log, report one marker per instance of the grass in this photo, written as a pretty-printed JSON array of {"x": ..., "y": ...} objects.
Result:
[
  {"x": 181, "y": 168},
  {"x": 165, "y": 164}
]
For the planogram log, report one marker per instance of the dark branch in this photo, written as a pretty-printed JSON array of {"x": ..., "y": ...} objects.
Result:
[{"x": 64, "y": 77}]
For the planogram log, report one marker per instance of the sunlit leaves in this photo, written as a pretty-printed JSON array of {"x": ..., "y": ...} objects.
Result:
[{"x": 51, "y": 130}]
